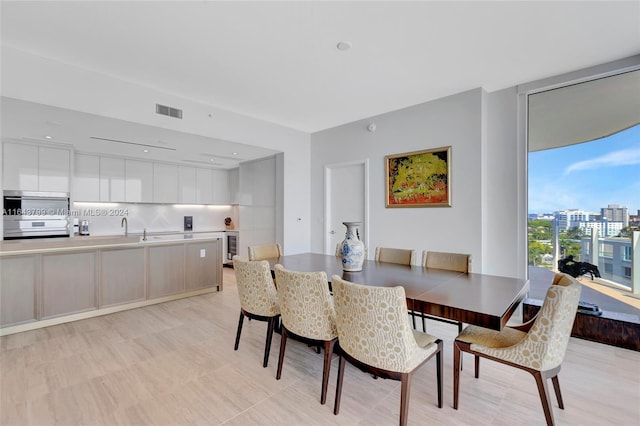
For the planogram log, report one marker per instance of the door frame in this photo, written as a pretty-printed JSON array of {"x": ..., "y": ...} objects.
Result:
[{"x": 327, "y": 199}]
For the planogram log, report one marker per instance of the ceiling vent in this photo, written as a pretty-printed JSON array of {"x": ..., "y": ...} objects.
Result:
[{"x": 168, "y": 111}]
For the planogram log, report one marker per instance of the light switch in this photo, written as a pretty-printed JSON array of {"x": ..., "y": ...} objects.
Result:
[{"x": 202, "y": 252}]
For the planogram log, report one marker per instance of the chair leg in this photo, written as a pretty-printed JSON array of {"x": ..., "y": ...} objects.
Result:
[
  {"x": 336, "y": 404},
  {"x": 556, "y": 387},
  {"x": 404, "y": 398},
  {"x": 413, "y": 319},
  {"x": 477, "y": 366},
  {"x": 328, "y": 351},
  {"x": 267, "y": 346},
  {"x": 439, "y": 373},
  {"x": 240, "y": 321},
  {"x": 541, "y": 381},
  {"x": 283, "y": 345},
  {"x": 424, "y": 324},
  {"x": 456, "y": 374}
]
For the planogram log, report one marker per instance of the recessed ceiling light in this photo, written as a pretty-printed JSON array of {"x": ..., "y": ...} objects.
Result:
[
  {"x": 145, "y": 150},
  {"x": 344, "y": 45},
  {"x": 48, "y": 137},
  {"x": 235, "y": 153}
]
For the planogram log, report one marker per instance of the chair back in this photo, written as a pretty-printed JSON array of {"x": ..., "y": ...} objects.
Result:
[
  {"x": 392, "y": 255},
  {"x": 267, "y": 251},
  {"x": 373, "y": 325},
  {"x": 306, "y": 305},
  {"x": 449, "y": 261},
  {"x": 255, "y": 287}
]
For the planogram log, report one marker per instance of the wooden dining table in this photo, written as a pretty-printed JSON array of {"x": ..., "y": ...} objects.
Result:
[{"x": 478, "y": 299}]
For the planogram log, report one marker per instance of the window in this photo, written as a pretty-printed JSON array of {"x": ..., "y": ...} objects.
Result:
[
  {"x": 626, "y": 272},
  {"x": 583, "y": 157},
  {"x": 606, "y": 250},
  {"x": 608, "y": 268}
]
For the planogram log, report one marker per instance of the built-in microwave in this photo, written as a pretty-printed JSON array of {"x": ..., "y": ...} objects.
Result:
[{"x": 29, "y": 214}]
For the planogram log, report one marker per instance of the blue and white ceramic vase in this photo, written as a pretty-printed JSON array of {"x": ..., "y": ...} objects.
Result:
[{"x": 352, "y": 249}]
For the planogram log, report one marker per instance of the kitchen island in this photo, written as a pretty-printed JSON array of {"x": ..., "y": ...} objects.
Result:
[{"x": 51, "y": 281}]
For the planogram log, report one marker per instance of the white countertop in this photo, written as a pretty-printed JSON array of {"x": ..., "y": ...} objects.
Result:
[{"x": 45, "y": 245}]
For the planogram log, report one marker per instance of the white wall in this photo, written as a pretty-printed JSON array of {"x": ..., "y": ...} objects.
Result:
[
  {"x": 33, "y": 78},
  {"x": 456, "y": 121}
]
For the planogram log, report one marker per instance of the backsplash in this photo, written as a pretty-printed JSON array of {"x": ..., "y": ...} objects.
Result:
[{"x": 106, "y": 218}]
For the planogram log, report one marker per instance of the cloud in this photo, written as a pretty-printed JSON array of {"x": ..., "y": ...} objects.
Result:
[{"x": 625, "y": 157}]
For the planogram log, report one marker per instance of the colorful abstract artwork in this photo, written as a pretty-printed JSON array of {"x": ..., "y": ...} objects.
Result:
[{"x": 419, "y": 179}]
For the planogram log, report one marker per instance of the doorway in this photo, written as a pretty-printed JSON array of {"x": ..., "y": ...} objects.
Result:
[{"x": 346, "y": 199}]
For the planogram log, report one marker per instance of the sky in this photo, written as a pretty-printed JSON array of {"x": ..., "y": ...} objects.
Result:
[{"x": 587, "y": 176}]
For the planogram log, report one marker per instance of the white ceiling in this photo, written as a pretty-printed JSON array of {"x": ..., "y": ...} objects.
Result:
[{"x": 278, "y": 61}]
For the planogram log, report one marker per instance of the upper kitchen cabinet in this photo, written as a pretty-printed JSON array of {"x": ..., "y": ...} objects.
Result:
[
  {"x": 221, "y": 187},
  {"x": 165, "y": 183},
  {"x": 112, "y": 179},
  {"x": 186, "y": 185},
  {"x": 204, "y": 186},
  {"x": 138, "y": 181},
  {"x": 30, "y": 167},
  {"x": 86, "y": 181},
  {"x": 234, "y": 186}
]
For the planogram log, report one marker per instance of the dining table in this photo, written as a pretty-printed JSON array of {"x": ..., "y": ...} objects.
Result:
[{"x": 472, "y": 298}]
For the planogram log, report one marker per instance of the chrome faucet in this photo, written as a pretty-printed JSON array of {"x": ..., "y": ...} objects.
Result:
[
  {"x": 144, "y": 234},
  {"x": 124, "y": 223}
]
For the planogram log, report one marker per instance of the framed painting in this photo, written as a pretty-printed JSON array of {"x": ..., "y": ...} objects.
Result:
[{"x": 419, "y": 179}]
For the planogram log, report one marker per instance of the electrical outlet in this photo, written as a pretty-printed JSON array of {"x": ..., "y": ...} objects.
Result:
[{"x": 203, "y": 252}]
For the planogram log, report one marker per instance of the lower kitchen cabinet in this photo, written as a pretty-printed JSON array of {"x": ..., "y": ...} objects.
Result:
[
  {"x": 68, "y": 283},
  {"x": 166, "y": 270},
  {"x": 51, "y": 284},
  {"x": 18, "y": 290},
  {"x": 122, "y": 276},
  {"x": 203, "y": 265}
]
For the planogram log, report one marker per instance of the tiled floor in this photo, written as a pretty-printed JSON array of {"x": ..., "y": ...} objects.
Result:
[{"x": 174, "y": 364}]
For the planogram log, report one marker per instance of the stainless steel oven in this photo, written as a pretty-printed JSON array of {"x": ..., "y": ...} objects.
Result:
[{"x": 28, "y": 214}]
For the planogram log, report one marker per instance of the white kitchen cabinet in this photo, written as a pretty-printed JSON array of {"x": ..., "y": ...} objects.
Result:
[
  {"x": 220, "y": 189},
  {"x": 86, "y": 182},
  {"x": 165, "y": 183},
  {"x": 204, "y": 186},
  {"x": 187, "y": 185},
  {"x": 54, "y": 165},
  {"x": 112, "y": 178},
  {"x": 234, "y": 186},
  {"x": 264, "y": 182},
  {"x": 138, "y": 181},
  {"x": 29, "y": 167},
  {"x": 20, "y": 165}
]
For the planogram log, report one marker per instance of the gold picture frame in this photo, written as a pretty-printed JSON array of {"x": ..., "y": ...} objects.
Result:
[{"x": 419, "y": 178}]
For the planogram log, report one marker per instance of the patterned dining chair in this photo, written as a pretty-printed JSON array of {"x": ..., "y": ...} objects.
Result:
[
  {"x": 374, "y": 334},
  {"x": 266, "y": 251},
  {"x": 456, "y": 262},
  {"x": 537, "y": 347},
  {"x": 307, "y": 315},
  {"x": 258, "y": 297},
  {"x": 399, "y": 257}
]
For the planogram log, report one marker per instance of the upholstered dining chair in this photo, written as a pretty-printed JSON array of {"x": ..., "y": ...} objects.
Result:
[
  {"x": 400, "y": 257},
  {"x": 266, "y": 251},
  {"x": 457, "y": 262},
  {"x": 537, "y": 347},
  {"x": 393, "y": 255},
  {"x": 258, "y": 297},
  {"x": 374, "y": 334},
  {"x": 307, "y": 315}
]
